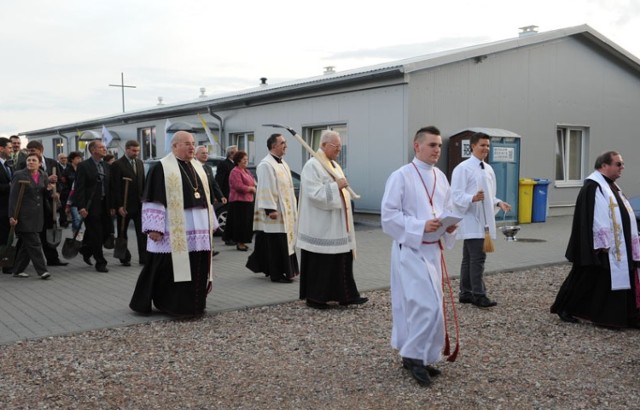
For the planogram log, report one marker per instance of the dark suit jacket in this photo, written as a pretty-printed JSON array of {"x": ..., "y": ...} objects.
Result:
[
  {"x": 5, "y": 188},
  {"x": 222, "y": 176},
  {"x": 31, "y": 216},
  {"x": 214, "y": 189},
  {"x": 88, "y": 186},
  {"x": 122, "y": 168}
]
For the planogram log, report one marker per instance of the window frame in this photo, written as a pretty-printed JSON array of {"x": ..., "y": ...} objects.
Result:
[
  {"x": 245, "y": 141},
  {"x": 144, "y": 134},
  {"x": 312, "y": 137},
  {"x": 564, "y": 147}
]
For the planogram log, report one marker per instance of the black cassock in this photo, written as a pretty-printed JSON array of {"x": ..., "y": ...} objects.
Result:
[
  {"x": 586, "y": 292},
  {"x": 155, "y": 283}
]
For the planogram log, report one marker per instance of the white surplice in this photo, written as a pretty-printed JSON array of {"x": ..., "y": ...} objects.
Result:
[
  {"x": 275, "y": 191},
  {"x": 416, "y": 273}
]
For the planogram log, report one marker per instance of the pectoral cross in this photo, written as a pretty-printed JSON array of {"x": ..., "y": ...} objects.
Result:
[{"x": 616, "y": 227}]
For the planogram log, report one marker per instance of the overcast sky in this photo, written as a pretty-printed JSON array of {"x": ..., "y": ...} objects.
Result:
[{"x": 59, "y": 57}]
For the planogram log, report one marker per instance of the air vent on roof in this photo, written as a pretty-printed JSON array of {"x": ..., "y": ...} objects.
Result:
[
  {"x": 329, "y": 69},
  {"x": 528, "y": 31},
  {"x": 202, "y": 92},
  {"x": 263, "y": 81},
  {"x": 160, "y": 101}
]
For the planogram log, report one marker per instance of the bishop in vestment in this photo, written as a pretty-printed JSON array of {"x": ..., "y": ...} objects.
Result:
[
  {"x": 179, "y": 220},
  {"x": 416, "y": 197}
]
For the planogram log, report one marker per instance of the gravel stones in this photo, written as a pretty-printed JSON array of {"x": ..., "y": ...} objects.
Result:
[{"x": 291, "y": 357}]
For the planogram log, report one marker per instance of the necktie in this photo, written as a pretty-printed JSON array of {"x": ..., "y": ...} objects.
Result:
[
  {"x": 482, "y": 165},
  {"x": 133, "y": 165},
  {"x": 101, "y": 176},
  {"x": 8, "y": 168}
]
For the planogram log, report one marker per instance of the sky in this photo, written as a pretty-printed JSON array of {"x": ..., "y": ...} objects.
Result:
[{"x": 58, "y": 58}]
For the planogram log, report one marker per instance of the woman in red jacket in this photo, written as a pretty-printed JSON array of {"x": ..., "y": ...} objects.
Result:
[{"x": 242, "y": 188}]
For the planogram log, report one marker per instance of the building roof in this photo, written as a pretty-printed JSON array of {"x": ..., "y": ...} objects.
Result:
[{"x": 391, "y": 69}]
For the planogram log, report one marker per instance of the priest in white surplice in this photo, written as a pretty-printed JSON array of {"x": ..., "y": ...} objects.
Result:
[
  {"x": 275, "y": 216},
  {"x": 416, "y": 199},
  {"x": 326, "y": 236}
]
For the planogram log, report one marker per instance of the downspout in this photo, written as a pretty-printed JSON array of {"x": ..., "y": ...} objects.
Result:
[
  {"x": 221, "y": 121},
  {"x": 67, "y": 140}
]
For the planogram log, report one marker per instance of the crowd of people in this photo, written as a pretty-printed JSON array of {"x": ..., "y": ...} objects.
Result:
[
  {"x": 42, "y": 195},
  {"x": 174, "y": 220}
]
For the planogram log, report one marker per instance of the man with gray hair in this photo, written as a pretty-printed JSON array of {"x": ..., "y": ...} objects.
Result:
[{"x": 326, "y": 234}]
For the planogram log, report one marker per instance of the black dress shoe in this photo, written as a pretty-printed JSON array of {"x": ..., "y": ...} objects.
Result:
[
  {"x": 418, "y": 370},
  {"x": 214, "y": 253},
  {"x": 87, "y": 259},
  {"x": 566, "y": 317},
  {"x": 229, "y": 243},
  {"x": 317, "y": 305},
  {"x": 483, "y": 302},
  {"x": 126, "y": 263},
  {"x": 58, "y": 263},
  {"x": 358, "y": 301},
  {"x": 466, "y": 299},
  {"x": 433, "y": 371},
  {"x": 282, "y": 280},
  {"x": 102, "y": 268}
]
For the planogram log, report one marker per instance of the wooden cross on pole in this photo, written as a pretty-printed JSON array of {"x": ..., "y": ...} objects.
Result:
[{"x": 122, "y": 86}]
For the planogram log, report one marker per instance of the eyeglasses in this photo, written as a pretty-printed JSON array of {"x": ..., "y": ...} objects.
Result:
[{"x": 334, "y": 145}]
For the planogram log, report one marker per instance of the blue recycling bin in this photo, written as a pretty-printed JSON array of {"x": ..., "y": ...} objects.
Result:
[{"x": 540, "y": 189}]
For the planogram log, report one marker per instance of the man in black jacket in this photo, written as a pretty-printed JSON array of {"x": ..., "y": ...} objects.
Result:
[
  {"x": 222, "y": 178},
  {"x": 131, "y": 168},
  {"x": 92, "y": 197},
  {"x": 5, "y": 187}
]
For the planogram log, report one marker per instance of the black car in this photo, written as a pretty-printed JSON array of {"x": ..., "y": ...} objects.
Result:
[
  {"x": 635, "y": 204},
  {"x": 220, "y": 208}
]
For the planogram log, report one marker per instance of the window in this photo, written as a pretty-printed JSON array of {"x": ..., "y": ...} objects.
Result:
[
  {"x": 313, "y": 134},
  {"x": 571, "y": 143},
  {"x": 245, "y": 142},
  {"x": 147, "y": 140},
  {"x": 58, "y": 147}
]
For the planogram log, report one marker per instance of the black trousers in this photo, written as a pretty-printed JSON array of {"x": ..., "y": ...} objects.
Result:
[
  {"x": 96, "y": 231},
  {"x": 141, "y": 238}
]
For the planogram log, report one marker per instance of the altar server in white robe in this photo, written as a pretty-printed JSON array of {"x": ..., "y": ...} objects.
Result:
[{"x": 416, "y": 199}]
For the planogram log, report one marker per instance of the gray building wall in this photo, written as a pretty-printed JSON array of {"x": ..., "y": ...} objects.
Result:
[{"x": 530, "y": 91}]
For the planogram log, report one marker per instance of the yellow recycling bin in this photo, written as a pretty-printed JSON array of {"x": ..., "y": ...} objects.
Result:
[{"x": 525, "y": 200}]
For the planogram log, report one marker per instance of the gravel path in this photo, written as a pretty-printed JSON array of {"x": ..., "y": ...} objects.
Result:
[{"x": 292, "y": 357}]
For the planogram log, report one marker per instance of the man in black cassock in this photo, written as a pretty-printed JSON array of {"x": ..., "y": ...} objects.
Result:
[
  {"x": 179, "y": 220},
  {"x": 602, "y": 286}
]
